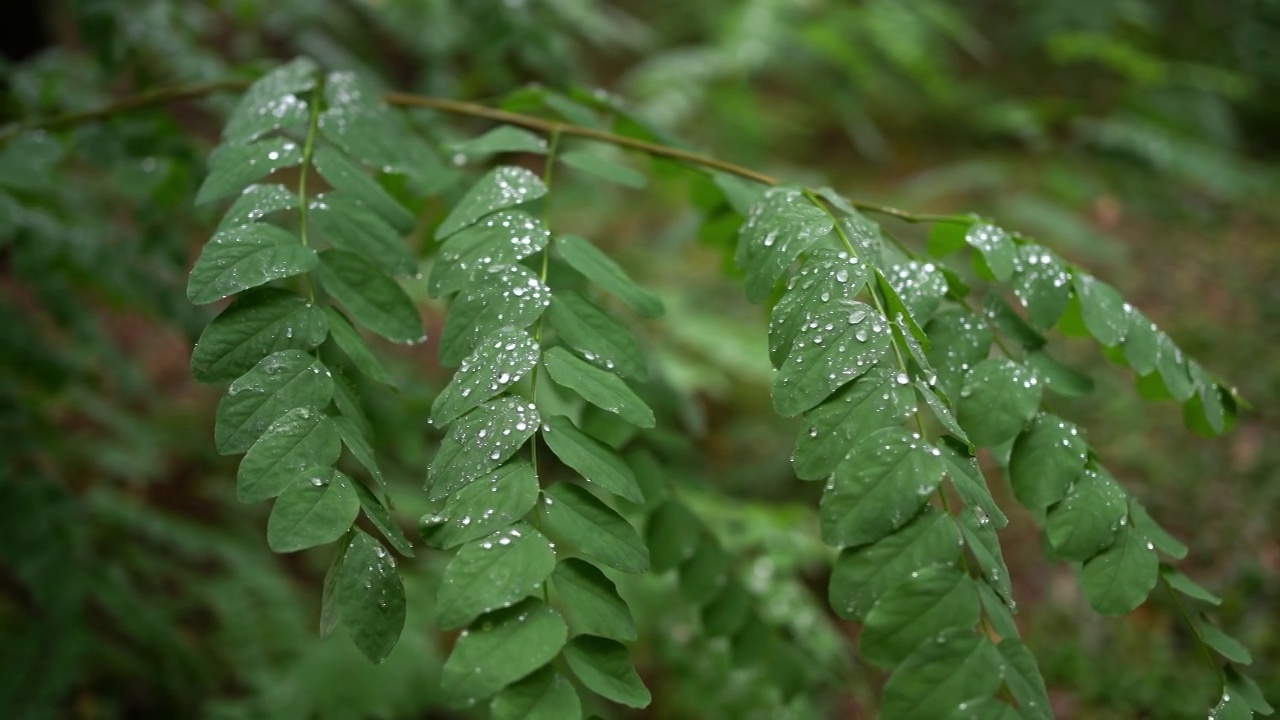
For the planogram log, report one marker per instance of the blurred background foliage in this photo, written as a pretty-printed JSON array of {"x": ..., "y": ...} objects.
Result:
[{"x": 1137, "y": 137}]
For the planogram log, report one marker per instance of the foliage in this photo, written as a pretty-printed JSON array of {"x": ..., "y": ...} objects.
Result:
[{"x": 561, "y": 481}]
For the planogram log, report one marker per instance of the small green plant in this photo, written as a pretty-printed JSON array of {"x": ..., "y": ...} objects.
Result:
[{"x": 549, "y": 483}]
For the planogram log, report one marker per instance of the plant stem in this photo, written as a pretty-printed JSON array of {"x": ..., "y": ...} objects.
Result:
[
  {"x": 308, "y": 147},
  {"x": 547, "y": 170}
]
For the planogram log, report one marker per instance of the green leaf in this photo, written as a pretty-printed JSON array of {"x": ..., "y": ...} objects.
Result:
[
  {"x": 958, "y": 666},
  {"x": 1145, "y": 524},
  {"x": 958, "y": 341},
  {"x": 1206, "y": 412},
  {"x": 672, "y": 535},
  {"x": 373, "y": 299},
  {"x": 232, "y": 168},
  {"x": 330, "y": 614},
  {"x": 864, "y": 235},
  {"x": 863, "y": 574},
  {"x": 499, "y": 649},
  {"x": 353, "y": 437},
  {"x": 1247, "y": 690},
  {"x": 598, "y": 387},
  {"x": 966, "y": 478},
  {"x": 350, "y": 342},
  {"x": 1105, "y": 312},
  {"x": 916, "y": 610},
  {"x": 1173, "y": 369},
  {"x": 502, "y": 187},
  {"x": 888, "y": 476},
  {"x": 1047, "y": 457},
  {"x": 1141, "y": 343},
  {"x": 920, "y": 285},
  {"x": 299, "y": 439},
  {"x": 499, "y": 362},
  {"x": 591, "y": 602},
  {"x": 544, "y": 695},
  {"x": 941, "y": 411},
  {"x": 493, "y": 573},
  {"x": 1058, "y": 377},
  {"x": 984, "y": 543},
  {"x": 1222, "y": 643},
  {"x": 1043, "y": 284},
  {"x": 1117, "y": 580},
  {"x": 839, "y": 344},
  {"x": 603, "y": 168},
  {"x": 380, "y": 517},
  {"x": 1230, "y": 707},
  {"x": 256, "y": 202},
  {"x": 706, "y": 574},
  {"x": 996, "y": 246},
  {"x": 604, "y": 667},
  {"x": 780, "y": 227},
  {"x": 246, "y": 257},
  {"x": 503, "y": 296},
  {"x": 502, "y": 139},
  {"x": 988, "y": 708},
  {"x": 606, "y": 274},
  {"x": 279, "y": 382},
  {"x": 1022, "y": 677},
  {"x": 371, "y": 597},
  {"x": 317, "y": 508},
  {"x": 502, "y": 239},
  {"x": 998, "y": 611},
  {"x": 259, "y": 323},
  {"x": 872, "y": 402},
  {"x": 576, "y": 520},
  {"x": 728, "y": 612},
  {"x": 997, "y": 398},
  {"x": 352, "y": 181},
  {"x": 489, "y": 504},
  {"x": 272, "y": 102},
  {"x": 596, "y": 336},
  {"x": 596, "y": 462},
  {"x": 1086, "y": 520},
  {"x": 349, "y": 226},
  {"x": 829, "y": 278},
  {"x": 948, "y": 236},
  {"x": 480, "y": 441},
  {"x": 1187, "y": 586},
  {"x": 1010, "y": 324}
]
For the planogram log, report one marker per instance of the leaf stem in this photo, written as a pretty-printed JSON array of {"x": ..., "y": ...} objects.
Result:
[{"x": 547, "y": 170}]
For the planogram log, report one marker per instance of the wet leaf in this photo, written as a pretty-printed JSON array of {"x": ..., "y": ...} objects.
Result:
[
  {"x": 596, "y": 336},
  {"x": 494, "y": 572},
  {"x": 997, "y": 398},
  {"x": 260, "y": 322},
  {"x": 577, "y": 521},
  {"x": 604, "y": 667},
  {"x": 996, "y": 246},
  {"x": 1117, "y": 580},
  {"x": 603, "y": 168},
  {"x": 257, "y": 202},
  {"x": 779, "y": 228},
  {"x": 354, "y": 346},
  {"x": 317, "y": 508},
  {"x": 234, "y": 167},
  {"x": 606, "y": 274},
  {"x": 491, "y": 503},
  {"x": 501, "y": 239},
  {"x": 279, "y": 383},
  {"x": 300, "y": 439},
  {"x": 598, "y": 387},
  {"x": 1105, "y": 313},
  {"x": 840, "y": 343},
  {"x": 596, "y": 462},
  {"x": 371, "y": 296},
  {"x": 347, "y": 225},
  {"x": 355, "y": 186},
  {"x": 915, "y": 611},
  {"x": 958, "y": 666},
  {"x": 544, "y": 695},
  {"x": 371, "y": 597},
  {"x": 479, "y": 442},
  {"x": 499, "y": 362},
  {"x": 502, "y": 139},
  {"x": 1047, "y": 457},
  {"x": 501, "y": 296},
  {"x": 246, "y": 257},
  {"x": 827, "y": 276},
  {"x": 272, "y": 102},
  {"x": 499, "y": 649},
  {"x": 591, "y": 602},
  {"x": 502, "y": 187},
  {"x": 872, "y": 402},
  {"x": 1086, "y": 520}
]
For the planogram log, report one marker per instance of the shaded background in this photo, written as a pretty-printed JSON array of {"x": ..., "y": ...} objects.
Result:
[{"x": 1138, "y": 138}]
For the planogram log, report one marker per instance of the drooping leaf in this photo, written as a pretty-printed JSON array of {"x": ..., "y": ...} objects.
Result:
[
  {"x": 1247, "y": 690},
  {"x": 1145, "y": 524},
  {"x": 672, "y": 535},
  {"x": 920, "y": 285},
  {"x": 245, "y": 257},
  {"x": 863, "y": 574},
  {"x": 260, "y": 322},
  {"x": 888, "y": 476},
  {"x": 1057, "y": 377},
  {"x": 984, "y": 543},
  {"x": 354, "y": 438},
  {"x": 781, "y": 226},
  {"x": 232, "y": 168},
  {"x": 996, "y": 246},
  {"x": 596, "y": 336},
  {"x": 997, "y": 398},
  {"x": 348, "y": 225},
  {"x": 1086, "y": 520},
  {"x": 998, "y": 611},
  {"x": 1173, "y": 369},
  {"x": 604, "y": 667},
  {"x": 1222, "y": 643},
  {"x": 947, "y": 236},
  {"x": 1023, "y": 678},
  {"x": 598, "y": 387},
  {"x": 371, "y": 296},
  {"x": 544, "y": 695},
  {"x": 502, "y": 296},
  {"x": 959, "y": 340},
  {"x": 502, "y": 187},
  {"x": 494, "y": 572},
  {"x": 272, "y": 102},
  {"x": 330, "y": 614},
  {"x": 966, "y": 478},
  {"x": 300, "y": 439},
  {"x": 502, "y": 139},
  {"x": 606, "y": 274},
  {"x": 1042, "y": 283},
  {"x": 1047, "y": 457},
  {"x": 941, "y": 411},
  {"x": 381, "y": 518},
  {"x": 591, "y": 602},
  {"x": 915, "y": 611},
  {"x": 499, "y": 649},
  {"x": 1186, "y": 586},
  {"x": 576, "y": 520},
  {"x": 480, "y": 508},
  {"x": 1009, "y": 323},
  {"x": 497, "y": 363},
  {"x": 1105, "y": 313},
  {"x": 872, "y": 402},
  {"x": 279, "y": 382},
  {"x": 479, "y": 442},
  {"x": 371, "y": 597},
  {"x": 836, "y": 346},
  {"x": 257, "y": 202},
  {"x": 353, "y": 183},
  {"x": 1141, "y": 342},
  {"x": 1118, "y": 579},
  {"x": 317, "y": 508},
  {"x": 350, "y": 342},
  {"x": 603, "y": 168},
  {"x": 958, "y": 666},
  {"x": 501, "y": 239},
  {"x": 596, "y": 462},
  {"x": 828, "y": 278}
]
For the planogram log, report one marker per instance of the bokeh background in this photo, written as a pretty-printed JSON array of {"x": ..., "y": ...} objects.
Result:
[{"x": 1139, "y": 138}]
